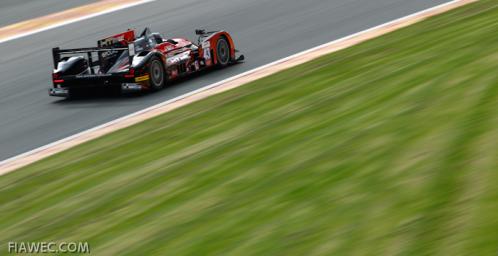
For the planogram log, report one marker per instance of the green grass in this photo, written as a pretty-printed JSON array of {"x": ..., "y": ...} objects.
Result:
[{"x": 386, "y": 148}]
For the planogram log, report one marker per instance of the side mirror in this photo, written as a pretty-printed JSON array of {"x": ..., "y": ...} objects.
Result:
[{"x": 200, "y": 32}]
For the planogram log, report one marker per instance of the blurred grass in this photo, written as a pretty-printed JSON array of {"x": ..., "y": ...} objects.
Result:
[{"x": 386, "y": 148}]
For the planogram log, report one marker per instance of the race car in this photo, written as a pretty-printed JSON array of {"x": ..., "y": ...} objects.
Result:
[{"x": 144, "y": 63}]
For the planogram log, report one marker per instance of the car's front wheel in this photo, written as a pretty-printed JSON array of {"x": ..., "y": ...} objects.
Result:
[{"x": 223, "y": 52}]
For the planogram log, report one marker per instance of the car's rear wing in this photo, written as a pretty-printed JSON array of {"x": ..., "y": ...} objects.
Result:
[{"x": 96, "y": 56}]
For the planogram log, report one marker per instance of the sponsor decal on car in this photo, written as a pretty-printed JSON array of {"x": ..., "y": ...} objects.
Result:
[
  {"x": 206, "y": 48},
  {"x": 131, "y": 87},
  {"x": 63, "y": 92},
  {"x": 108, "y": 54},
  {"x": 142, "y": 78}
]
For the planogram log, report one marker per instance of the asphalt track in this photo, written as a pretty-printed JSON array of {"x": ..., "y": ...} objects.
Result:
[
  {"x": 265, "y": 30},
  {"x": 13, "y": 11}
]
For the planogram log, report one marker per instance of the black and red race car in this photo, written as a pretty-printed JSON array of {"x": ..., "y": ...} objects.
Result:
[{"x": 146, "y": 62}]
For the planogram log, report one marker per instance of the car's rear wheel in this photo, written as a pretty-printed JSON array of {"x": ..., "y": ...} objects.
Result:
[
  {"x": 156, "y": 73},
  {"x": 222, "y": 52}
]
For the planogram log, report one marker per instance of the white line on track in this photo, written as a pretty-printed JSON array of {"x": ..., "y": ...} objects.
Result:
[
  {"x": 77, "y": 19},
  {"x": 31, "y": 156}
]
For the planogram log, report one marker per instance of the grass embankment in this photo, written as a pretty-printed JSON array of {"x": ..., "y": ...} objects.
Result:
[{"x": 387, "y": 147}]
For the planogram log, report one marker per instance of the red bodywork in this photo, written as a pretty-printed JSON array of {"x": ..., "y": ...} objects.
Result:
[
  {"x": 175, "y": 47},
  {"x": 172, "y": 48},
  {"x": 124, "y": 38}
]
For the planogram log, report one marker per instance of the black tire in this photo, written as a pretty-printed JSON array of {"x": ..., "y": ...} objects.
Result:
[
  {"x": 156, "y": 73},
  {"x": 222, "y": 52}
]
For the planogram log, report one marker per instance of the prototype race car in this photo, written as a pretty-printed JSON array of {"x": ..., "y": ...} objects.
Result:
[{"x": 147, "y": 62}]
